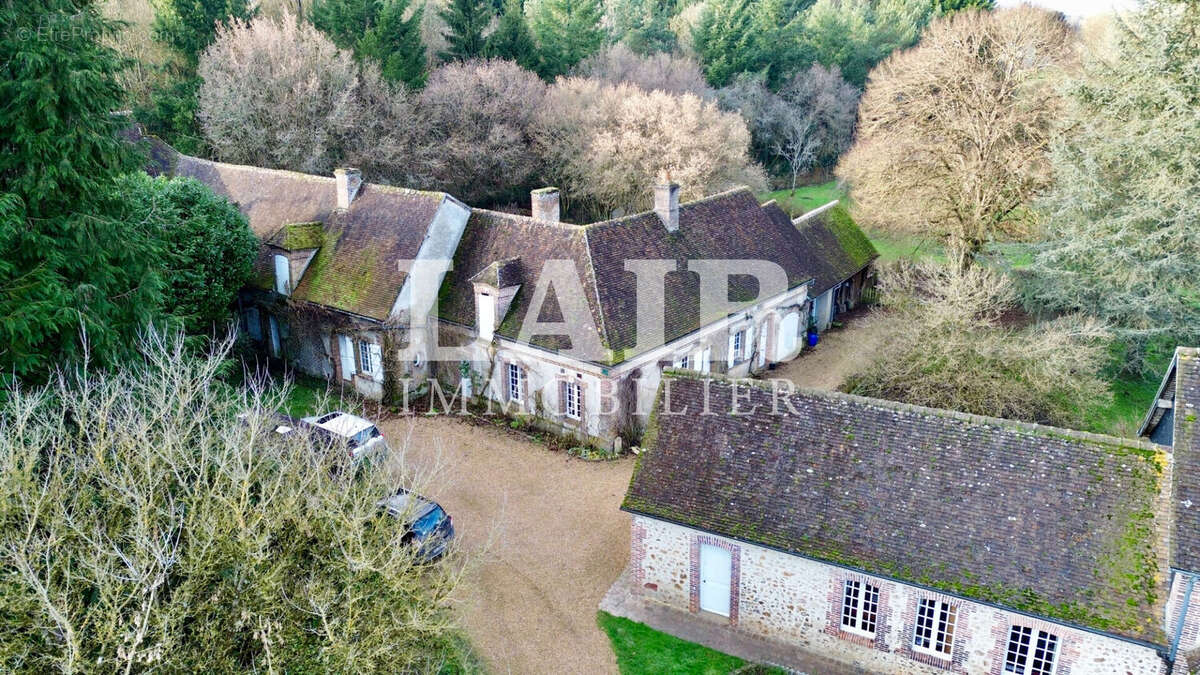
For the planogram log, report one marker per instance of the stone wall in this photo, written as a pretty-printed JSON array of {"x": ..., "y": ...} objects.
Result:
[{"x": 798, "y": 601}]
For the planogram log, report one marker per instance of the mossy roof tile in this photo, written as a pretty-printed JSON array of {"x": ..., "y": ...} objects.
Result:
[{"x": 1051, "y": 521}]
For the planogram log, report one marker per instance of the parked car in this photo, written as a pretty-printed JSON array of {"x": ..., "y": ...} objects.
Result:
[
  {"x": 361, "y": 435},
  {"x": 430, "y": 528}
]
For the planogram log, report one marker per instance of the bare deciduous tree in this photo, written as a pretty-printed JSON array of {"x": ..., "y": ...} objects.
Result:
[
  {"x": 653, "y": 72},
  {"x": 832, "y": 104},
  {"x": 278, "y": 93},
  {"x": 481, "y": 116},
  {"x": 953, "y": 133},
  {"x": 608, "y": 144},
  {"x": 144, "y": 525},
  {"x": 949, "y": 346}
]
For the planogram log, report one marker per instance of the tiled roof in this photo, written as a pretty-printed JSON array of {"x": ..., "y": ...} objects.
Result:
[
  {"x": 492, "y": 236},
  {"x": 1186, "y": 549},
  {"x": 355, "y": 269},
  {"x": 730, "y": 225},
  {"x": 835, "y": 248},
  {"x": 1178, "y": 426},
  {"x": 1055, "y": 522}
]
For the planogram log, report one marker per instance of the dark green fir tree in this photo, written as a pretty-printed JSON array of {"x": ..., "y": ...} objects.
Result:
[{"x": 466, "y": 19}]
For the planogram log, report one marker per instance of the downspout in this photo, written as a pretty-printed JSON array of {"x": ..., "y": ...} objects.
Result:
[{"x": 1183, "y": 612}]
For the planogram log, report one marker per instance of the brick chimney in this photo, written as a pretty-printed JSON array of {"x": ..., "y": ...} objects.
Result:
[
  {"x": 544, "y": 204},
  {"x": 348, "y": 183},
  {"x": 666, "y": 204}
]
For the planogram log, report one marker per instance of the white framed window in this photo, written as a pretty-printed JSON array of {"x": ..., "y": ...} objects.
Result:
[
  {"x": 1029, "y": 654},
  {"x": 516, "y": 382},
  {"x": 365, "y": 362},
  {"x": 571, "y": 393},
  {"x": 739, "y": 345},
  {"x": 934, "y": 633},
  {"x": 685, "y": 362},
  {"x": 860, "y": 607}
]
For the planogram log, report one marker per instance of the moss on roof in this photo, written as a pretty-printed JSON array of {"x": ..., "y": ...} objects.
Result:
[
  {"x": 299, "y": 236},
  {"x": 899, "y": 472},
  {"x": 852, "y": 240}
]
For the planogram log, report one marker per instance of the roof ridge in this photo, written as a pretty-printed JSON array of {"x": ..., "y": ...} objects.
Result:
[
  {"x": 982, "y": 420},
  {"x": 260, "y": 169},
  {"x": 528, "y": 219},
  {"x": 682, "y": 205}
]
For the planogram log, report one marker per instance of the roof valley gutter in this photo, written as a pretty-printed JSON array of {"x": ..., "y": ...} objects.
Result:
[
  {"x": 1161, "y": 649},
  {"x": 1183, "y": 612}
]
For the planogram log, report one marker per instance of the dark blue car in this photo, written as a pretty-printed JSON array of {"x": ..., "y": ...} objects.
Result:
[{"x": 430, "y": 528}]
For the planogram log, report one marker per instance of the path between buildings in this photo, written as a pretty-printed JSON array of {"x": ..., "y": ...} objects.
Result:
[
  {"x": 547, "y": 534},
  {"x": 840, "y": 353}
]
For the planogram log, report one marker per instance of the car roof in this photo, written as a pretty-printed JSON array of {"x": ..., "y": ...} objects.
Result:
[
  {"x": 346, "y": 424},
  {"x": 408, "y": 502}
]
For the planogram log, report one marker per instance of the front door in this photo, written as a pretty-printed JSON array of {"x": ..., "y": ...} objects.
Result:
[{"x": 716, "y": 572}]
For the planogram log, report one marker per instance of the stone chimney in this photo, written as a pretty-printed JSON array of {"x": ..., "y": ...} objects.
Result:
[
  {"x": 666, "y": 204},
  {"x": 348, "y": 183},
  {"x": 544, "y": 203}
]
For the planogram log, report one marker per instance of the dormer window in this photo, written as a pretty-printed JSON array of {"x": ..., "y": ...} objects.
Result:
[{"x": 283, "y": 275}]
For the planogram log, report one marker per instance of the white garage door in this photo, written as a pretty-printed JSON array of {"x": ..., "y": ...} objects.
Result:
[{"x": 716, "y": 571}]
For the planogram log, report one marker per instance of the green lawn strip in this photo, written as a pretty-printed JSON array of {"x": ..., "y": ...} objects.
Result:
[
  {"x": 641, "y": 650},
  {"x": 805, "y": 198},
  {"x": 1132, "y": 397}
]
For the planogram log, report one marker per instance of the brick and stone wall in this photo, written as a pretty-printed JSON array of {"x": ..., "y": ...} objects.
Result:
[{"x": 798, "y": 601}]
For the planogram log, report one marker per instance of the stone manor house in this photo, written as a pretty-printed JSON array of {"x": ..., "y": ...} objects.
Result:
[
  {"x": 330, "y": 297},
  {"x": 899, "y": 539}
]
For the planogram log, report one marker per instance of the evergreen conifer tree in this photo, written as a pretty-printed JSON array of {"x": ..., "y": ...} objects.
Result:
[
  {"x": 567, "y": 32},
  {"x": 395, "y": 43},
  {"x": 72, "y": 274},
  {"x": 466, "y": 19},
  {"x": 512, "y": 40}
]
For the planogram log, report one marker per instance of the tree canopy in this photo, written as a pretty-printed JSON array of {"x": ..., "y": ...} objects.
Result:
[
  {"x": 152, "y": 518},
  {"x": 567, "y": 32},
  {"x": 953, "y": 133},
  {"x": 466, "y": 20},
  {"x": 207, "y": 246},
  {"x": 73, "y": 276},
  {"x": 1121, "y": 217}
]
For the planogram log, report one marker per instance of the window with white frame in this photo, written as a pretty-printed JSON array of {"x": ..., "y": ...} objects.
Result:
[
  {"x": 739, "y": 345},
  {"x": 934, "y": 633},
  {"x": 860, "y": 607},
  {"x": 364, "y": 357},
  {"x": 685, "y": 362},
  {"x": 1029, "y": 654},
  {"x": 571, "y": 393},
  {"x": 516, "y": 381}
]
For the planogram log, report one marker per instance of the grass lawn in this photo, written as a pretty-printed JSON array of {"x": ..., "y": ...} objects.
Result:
[
  {"x": 805, "y": 198},
  {"x": 1132, "y": 397},
  {"x": 305, "y": 395},
  {"x": 641, "y": 650}
]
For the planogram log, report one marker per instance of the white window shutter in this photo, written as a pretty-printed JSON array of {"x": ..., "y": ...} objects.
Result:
[
  {"x": 732, "y": 354},
  {"x": 346, "y": 352},
  {"x": 705, "y": 359},
  {"x": 376, "y": 362}
]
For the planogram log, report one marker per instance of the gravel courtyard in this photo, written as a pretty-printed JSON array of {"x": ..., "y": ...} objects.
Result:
[{"x": 547, "y": 534}]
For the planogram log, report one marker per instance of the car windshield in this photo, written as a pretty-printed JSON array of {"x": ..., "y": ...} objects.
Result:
[
  {"x": 365, "y": 435},
  {"x": 427, "y": 523}
]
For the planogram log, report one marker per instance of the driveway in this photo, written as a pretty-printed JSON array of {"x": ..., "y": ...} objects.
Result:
[
  {"x": 840, "y": 353},
  {"x": 546, "y": 536}
]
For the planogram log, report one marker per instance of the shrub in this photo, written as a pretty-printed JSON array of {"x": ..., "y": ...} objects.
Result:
[
  {"x": 143, "y": 525},
  {"x": 951, "y": 345}
]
